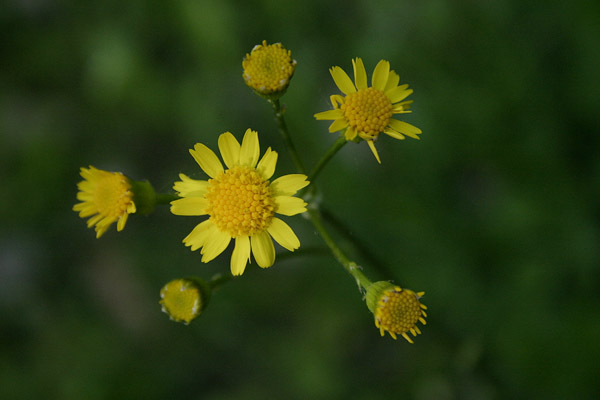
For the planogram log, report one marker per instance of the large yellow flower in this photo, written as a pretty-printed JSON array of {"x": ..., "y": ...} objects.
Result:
[
  {"x": 106, "y": 197},
  {"x": 240, "y": 201},
  {"x": 364, "y": 111}
]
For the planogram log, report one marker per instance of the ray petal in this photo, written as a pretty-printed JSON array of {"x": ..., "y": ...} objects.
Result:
[{"x": 342, "y": 80}]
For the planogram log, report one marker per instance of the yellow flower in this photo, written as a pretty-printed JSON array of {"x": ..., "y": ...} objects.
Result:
[
  {"x": 107, "y": 197},
  {"x": 396, "y": 310},
  {"x": 365, "y": 112},
  {"x": 240, "y": 201},
  {"x": 184, "y": 299},
  {"x": 268, "y": 69}
]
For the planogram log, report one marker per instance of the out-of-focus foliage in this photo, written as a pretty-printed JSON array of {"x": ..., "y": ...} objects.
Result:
[{"x": 494, "y": 213}]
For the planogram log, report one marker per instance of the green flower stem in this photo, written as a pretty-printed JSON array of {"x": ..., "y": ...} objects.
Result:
[
  {"x": 338, "y": 144},
  {"x": 350, "y": 266},
  {"x": 219, "y": 279},
  {"x": 286, "y": 135},
  {"x": 165, "y": 198}
]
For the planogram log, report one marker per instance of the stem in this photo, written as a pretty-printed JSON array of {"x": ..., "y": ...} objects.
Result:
[
  {"x": 165, "y": 198},
  {"x": 286, "y": 135},
  {"x": 338, "y": 144},
  {"x": 219, "y": 279},
  {"x": 350, "y": 266}
]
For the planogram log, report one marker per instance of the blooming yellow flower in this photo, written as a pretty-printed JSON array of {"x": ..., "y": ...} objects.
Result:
[
  {"x": 106, "y": 196},
  {"x": 365, "y": 112},
  {"x": 184, "y": 299},
  {"x": 396, "y": 310},
  {"x": 268, "y": 68},
  {"x": 240, "y": 201}
]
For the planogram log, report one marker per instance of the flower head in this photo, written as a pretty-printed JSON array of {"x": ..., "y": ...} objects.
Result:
[
  {"x": 268, "y": 69},
  {"x": 396, "y": 310},
  {"x": 106, "y": 197},
  {"x": 365, "y": 112},
  {"x": 184, "y": 299},
  {"x": 240, "y": 201}
]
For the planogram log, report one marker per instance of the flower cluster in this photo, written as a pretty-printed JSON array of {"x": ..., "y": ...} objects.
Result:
[{"x": 240, "y": 201}]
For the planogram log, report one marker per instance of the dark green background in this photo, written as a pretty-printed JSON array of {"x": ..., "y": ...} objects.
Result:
[{"x": 494, "y": 213}]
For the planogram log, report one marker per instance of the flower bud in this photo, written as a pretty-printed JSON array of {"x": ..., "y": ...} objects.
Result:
[
  {"x": 184, "y": 299},
  {"x": 396, "y": 310},
  {"x": 268, "y": 70}
]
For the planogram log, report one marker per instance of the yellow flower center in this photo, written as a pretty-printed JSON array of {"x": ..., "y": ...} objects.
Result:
[
  {"x": 268, "y": 68},
  {"x": 181, "y": 300},
  {"x": 112, "y": 195},
  {"x": 368, "y": 111},
  {"x": 240, "y": 201},
  {"x": 398, "y": 311}
]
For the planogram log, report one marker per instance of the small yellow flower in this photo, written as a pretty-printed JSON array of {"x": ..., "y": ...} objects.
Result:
[
  {"x": 240, "y": 201},
  {"x": 396, "y": 310},
  {"x": 365, "y": 112},
  {"x": 107, "y": 197},
  {"x": 184, "y": 299},
  {"x": 268, "y": 69}
]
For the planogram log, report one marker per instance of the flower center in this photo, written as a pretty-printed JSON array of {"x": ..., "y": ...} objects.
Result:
[
  {"x": 268, "y": 68},
  {"x": 398, "y": 310},
  {"x": 368, "y": 111},
  {"x": 240, "y": 202},
  {"x": 112, "y": 195}
]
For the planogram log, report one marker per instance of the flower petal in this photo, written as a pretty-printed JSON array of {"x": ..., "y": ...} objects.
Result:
[
  {"x": 199, "y": 235},
  {"x": 207, "y": 160},
  {"x": 230, "y": 149},
  {"x": 360, "y": 74},
  {"x": 380, "y": 75},
  {"x": 374, "y": 150},
  {"x": 329, "y": 114},
  {"x": 266, "y": 166},
  {"x": 405, "y": 128},
  {"x": 396, "y": 135},
  {"x": 241, "y": 255},
  {"x": 399, "y": 93},
  {"x": 338, "y": 125},
  {"x": 250, "y": 150},
  {"x": 393, "y": 80},
  {"x": 288, "y": 185},
  {"x": 263, "y": 249},
  {"x": 189, "y": 187},
  {"x": 189, "y": 206},
  {"x": 288, "y": 205},
  {"x": 342, "y": 80},
  {"x": 350, "y": 133},
  {"x": 283, "y": 234},
  {"x": 214, "y": 245}
]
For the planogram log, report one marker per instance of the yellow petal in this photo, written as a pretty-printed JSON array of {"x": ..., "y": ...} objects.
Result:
[
  {"x": 214, "y": 245},
  {"x": 198, "y": 236},
  {"x": 263, "y": 249},
  {"x": 121, "y": 222},
  {"x": 350, "y": 133},
  {"x": 380, "y": 75},
  {"x": 405, "y": 128},
  {"x": 230, "y": 149},
  {"x": 188, "y": 187},
  {"x": 336, "y": 100},
  {"x": 396, "y": 135},
  {"x": 398, "y": 94},
  {"x": 189, "y": 206},
  {"x": 288, "y": 185},
  {"x": 329, "y": 114},
  {"x": 288, "y": 205},
  {"x": 393, "y": 80},
  {"x": 338, "y": 125},
  {"x": 250, "y": 150},
  {"x": 241, "y": 255},
  {"x": 360, "y": 75},
  {"x": 374, "y": 150},
  {"x": 283, "y": 234},
  {"x": 207, "y": 160},
  {"x": 266, "y": 166},
  {"x": 342, "y": 80}
]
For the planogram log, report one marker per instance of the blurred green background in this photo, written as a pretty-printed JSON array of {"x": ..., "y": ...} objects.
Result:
[{"x": 494, "y": 213}]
